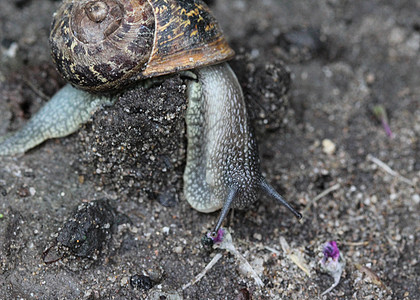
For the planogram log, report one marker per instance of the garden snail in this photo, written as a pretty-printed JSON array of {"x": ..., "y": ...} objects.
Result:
[{"x": 103, "y": 46}]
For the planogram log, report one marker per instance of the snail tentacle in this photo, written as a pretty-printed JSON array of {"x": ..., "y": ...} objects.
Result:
[
  {"x": 225, "y": 209},
  {"x": 273, "y": 193},
  {"x": 63, "y": 114}
]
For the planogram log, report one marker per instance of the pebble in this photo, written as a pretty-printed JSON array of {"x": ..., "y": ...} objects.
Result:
[
  {"x": 328, "y": 146},
  {"x": 178, "y": 249},
  {"x": 11, "y": 51},
  {"x": 141, "y": 282},
  {"x": 396, "y": 36},
  {"x": 370, "y": 78},
  {"x": 257, "y": 236},
  {"x": 124, "y": 281},
  {"x": 166, "y": 230}
]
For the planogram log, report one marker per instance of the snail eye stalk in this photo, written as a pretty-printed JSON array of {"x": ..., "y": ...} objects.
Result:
[
  {"x": 273, "y": 193},
  {"x": 231, "y": 197}
]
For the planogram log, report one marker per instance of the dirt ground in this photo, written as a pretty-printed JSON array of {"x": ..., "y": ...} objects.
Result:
[{"x": 344, "y": 57}]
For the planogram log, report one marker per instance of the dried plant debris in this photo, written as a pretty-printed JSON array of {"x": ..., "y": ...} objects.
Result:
[
  {"x": 332, "y": 263},
  {"x": 373, "y": 277},
  {"x": 223, "y": 240},
  {"x": 295, "y": 256},
  {"x": 380, "y": 113},
  {"x": 200, "y": 275},
  {"x": 388, "y": 169},
  {"x": 321, "y": 195}
]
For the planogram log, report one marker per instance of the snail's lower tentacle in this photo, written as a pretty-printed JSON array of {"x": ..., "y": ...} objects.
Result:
[
  {"x": 225, "y": 209},
  {"x": 67, "y": 110}
]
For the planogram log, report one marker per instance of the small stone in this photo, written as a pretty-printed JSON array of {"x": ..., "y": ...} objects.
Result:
[
  {"x": 396, "y": 36},
  {"x": 370, "y": 78},
  {"x": 141, "y": 282},
  {"x": 166, "y": 230},
  {"x": 178, "y": 249},
  {"x": 32, "y": 191},
  {"x": 11, "y": 51},
  {"x": 23, "y": 192},
  {"x": 244, "y": 294},
  {"x": 89, "y": 227},
  {"x": 158, "y": 294},
  {"x": 257, "y": 236},
  {"x": 124, "y": 281},
  {"x": 328, "y": 146}
]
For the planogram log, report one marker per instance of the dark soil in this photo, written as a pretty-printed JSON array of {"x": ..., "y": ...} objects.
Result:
[{"x": 343, "y": 58}]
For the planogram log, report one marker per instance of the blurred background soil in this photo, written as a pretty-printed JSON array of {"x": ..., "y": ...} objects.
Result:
[{"x": 338, "y": 60}]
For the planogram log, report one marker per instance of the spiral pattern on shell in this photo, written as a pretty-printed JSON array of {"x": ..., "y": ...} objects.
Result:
[
  {"x": 99, "y": 44},
  {"x": 104, "y": 45}
]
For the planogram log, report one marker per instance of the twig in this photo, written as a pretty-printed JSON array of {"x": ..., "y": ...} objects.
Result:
[
  {"x": 365, "y": 243},
  {"x": 321, "y": 195},
  {"x": 224, "y": 241},
  {"x": 202, "y": 273},
  {"x": 373, "y": 277},
  {"x": 387, "y": 169},
  {"x": 228, "y": 245},
  {"x": 276, "y": 252},
  {"x": 36, "y": 90},
  {"x": 294, "y": 256}
]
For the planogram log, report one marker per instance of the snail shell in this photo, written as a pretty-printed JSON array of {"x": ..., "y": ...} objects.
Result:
[{"x": 104, "y": 45}]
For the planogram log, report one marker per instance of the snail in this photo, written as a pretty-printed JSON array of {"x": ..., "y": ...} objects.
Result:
[{"x": 103, "y": 46}]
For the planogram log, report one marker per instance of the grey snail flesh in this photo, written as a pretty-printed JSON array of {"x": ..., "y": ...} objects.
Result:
[
  {"x": 223, "y": 169},
  {"x": 63, "y": 115},
  {"x": 222, "y": 153}
]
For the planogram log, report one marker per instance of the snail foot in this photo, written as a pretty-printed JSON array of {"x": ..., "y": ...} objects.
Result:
[{"x": 67, "y": 110}]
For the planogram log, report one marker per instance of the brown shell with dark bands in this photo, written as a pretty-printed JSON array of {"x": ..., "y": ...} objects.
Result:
[{"x": 104, "y": 45}]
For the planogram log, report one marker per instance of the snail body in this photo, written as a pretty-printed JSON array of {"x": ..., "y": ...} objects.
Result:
[
  {"x": 103, "y": 46},
  {"x": 222, "y": 152},
  {"x": 223, "y": 168}
]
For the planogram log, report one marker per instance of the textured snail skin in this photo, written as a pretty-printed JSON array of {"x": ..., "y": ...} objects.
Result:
[
  {"x": 223, "y": 168},
  {"x": 222, "y": 153},
  {"x": 66, "y": 111}
]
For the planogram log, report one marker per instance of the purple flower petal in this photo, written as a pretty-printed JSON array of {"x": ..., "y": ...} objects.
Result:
[
  {"x": 387, "y": 128},
  {"x": 219, "y": 236},
  {"x": 331, "y": 250}
]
